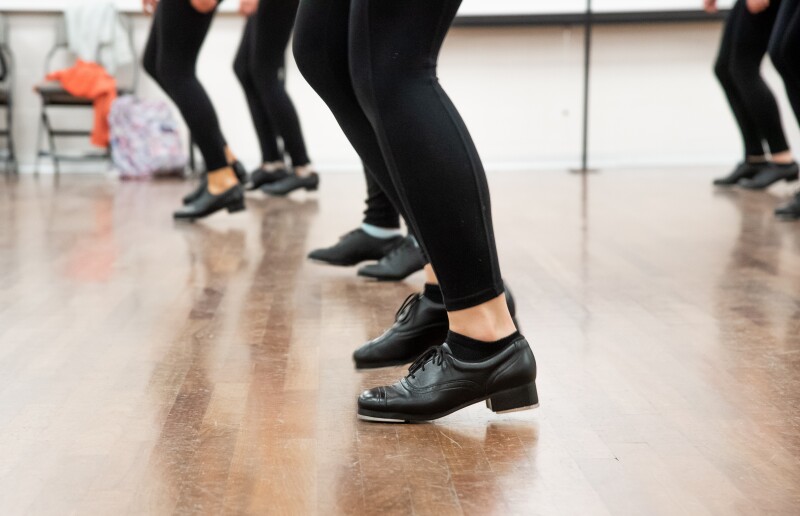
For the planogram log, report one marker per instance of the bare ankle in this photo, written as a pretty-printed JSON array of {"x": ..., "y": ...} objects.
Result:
[
  {"x": 430, "y": 275},
  {"x": 272, "y": 166},
  {"x": 304, "y": 170},
  {"x": 783, "y": 158},
  {"x": 229, "y": 155},
  {"x": 221, "y": 180}
]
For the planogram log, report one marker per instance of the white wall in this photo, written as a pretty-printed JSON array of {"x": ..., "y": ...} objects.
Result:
[
  {"x": 654, "y": 98},
  {"x": 468, "y": 7}
]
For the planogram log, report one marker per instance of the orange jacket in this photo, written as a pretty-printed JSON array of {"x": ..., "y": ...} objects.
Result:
[{"x": 91, "y": 81}]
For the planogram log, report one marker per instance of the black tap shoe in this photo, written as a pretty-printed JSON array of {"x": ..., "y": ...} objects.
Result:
[
  {"x": 355, "y": 247},
  {"x": 260, "y": 177},
  {"x": 791, "y": 210},
  {"x": 291, "y": 183},
  {"x": 208, "y": 203},
  {"x": 238, "y": 169},
  {"x": 439, "y": 384},
  {"x": 743, "y": 170},
  {"x": 401, "y": 262},
  {"x": 771, "y": 175},
  {"x": 419, "y": 324},
  {"x": 197, "y": 192}
]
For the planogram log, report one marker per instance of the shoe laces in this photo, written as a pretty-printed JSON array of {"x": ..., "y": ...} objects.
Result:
[
  {"x": 399, "y": 248},
  {"x": 393, "y": 253},
  {"x": 405, "y": 308},
  {"x": 434, "y": 355}
]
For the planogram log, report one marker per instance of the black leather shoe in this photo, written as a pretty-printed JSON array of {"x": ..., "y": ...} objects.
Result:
[
  {"x": 790, "y": 211},
  {"x": 208, "y": 203},
  {"x": 238, "y": 169},
  {"x": 439, "y": 384},
  {"x": 197, "y": 192},
  {"x": 355, "y": 247},
  {"x": 401, "y": 262},
  {"x": 770, "y": 176},
  {"x": 419, "y": 324},
  {"x": 291, "y": 183},
  {"x": 743, "y": 170},
  {"x": 260, "y": 177}
]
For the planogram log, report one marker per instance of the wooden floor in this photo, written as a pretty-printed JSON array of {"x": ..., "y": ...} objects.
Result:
[{"x": 148, "y": 367}]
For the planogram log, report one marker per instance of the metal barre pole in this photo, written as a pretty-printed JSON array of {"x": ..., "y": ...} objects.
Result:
[{"x": 587, "y": 62}]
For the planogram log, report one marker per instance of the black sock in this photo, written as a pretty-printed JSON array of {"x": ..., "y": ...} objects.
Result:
[
  {"x": 470, "y": 349},
  {"x": 786, "y": 165},
  {"x": 434, "y": 293}
]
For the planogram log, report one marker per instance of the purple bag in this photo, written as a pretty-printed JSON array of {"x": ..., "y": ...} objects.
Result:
[{"x": 144, "y": 139}]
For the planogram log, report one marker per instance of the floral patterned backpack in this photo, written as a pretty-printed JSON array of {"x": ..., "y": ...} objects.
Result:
[{"x": 144, "y": 139}]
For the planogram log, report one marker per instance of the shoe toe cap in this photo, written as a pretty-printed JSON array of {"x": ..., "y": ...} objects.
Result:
[
  {"x": 367, "y": 354},
  {"x": 318, "y": 254},
  {"x": 372, "y": 398},
  {"x": 361, "y": 354},
  {"x": 372, "y": 269}
]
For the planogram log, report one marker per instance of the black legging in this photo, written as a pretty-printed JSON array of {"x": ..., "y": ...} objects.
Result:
[
  {"x": 170, "y": 57},
  {"x": 261, "y": 67},
  {"x": 267, "y": 139},
  {"x": 374, "y": 64},
  {"x": 267, "y": 100},
  {"x": 744, "y": 44},
  {"x": 380, "y": 211},
  {"x": 784, "y": 50}
]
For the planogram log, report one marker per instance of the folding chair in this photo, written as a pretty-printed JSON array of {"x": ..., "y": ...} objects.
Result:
[
  {"x": 7, "y": 155},
  {"x": 54, "y": 96}
]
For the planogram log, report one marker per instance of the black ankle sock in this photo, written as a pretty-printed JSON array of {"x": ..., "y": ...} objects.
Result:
[
  {"x": 785, "y": 165},
  {"x": 470, "y": 349},
  {"x": 434, "y": 293}
]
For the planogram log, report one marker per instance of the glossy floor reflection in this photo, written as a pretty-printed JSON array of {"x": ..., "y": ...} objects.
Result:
[{"x": 154, "y": 368}]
